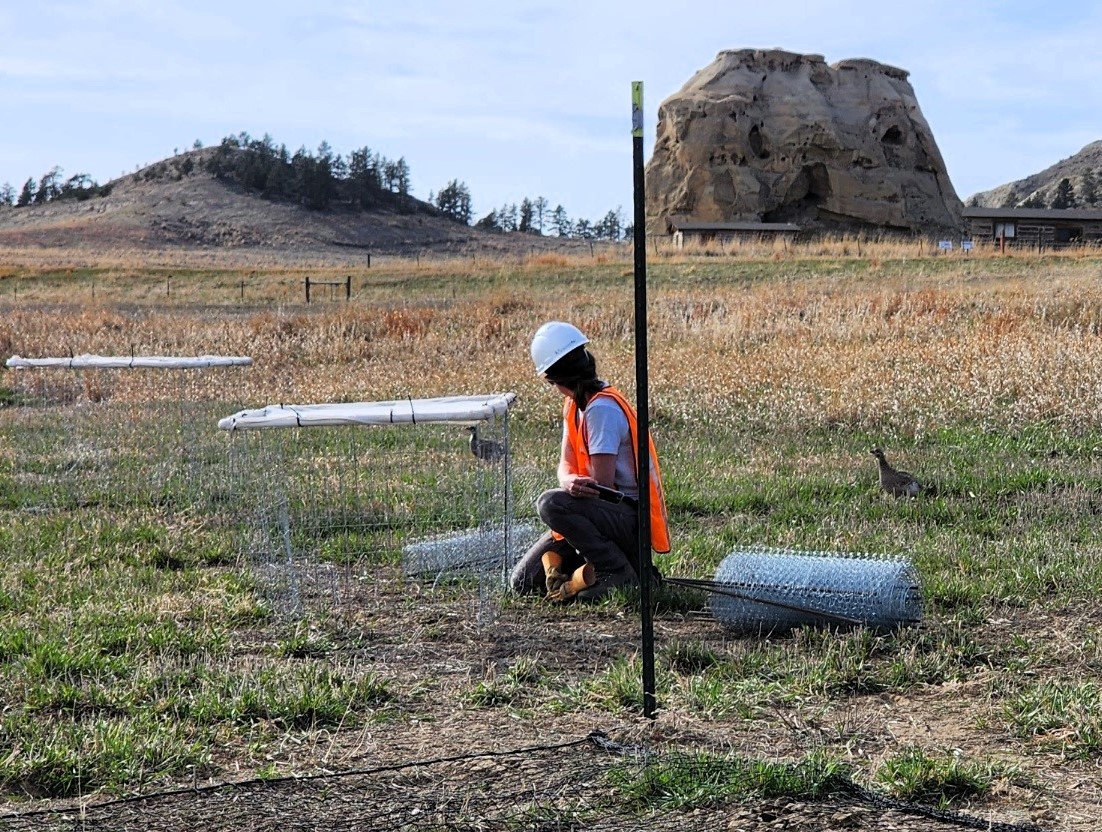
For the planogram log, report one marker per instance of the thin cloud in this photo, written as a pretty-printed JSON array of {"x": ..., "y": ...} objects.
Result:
[{"x": 513, "y": 99}]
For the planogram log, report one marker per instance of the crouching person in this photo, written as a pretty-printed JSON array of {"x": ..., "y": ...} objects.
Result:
[{"x": 591, "y": 546}]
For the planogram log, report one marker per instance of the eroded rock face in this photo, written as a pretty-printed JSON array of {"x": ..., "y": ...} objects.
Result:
[{"x": 776, "y": 136}]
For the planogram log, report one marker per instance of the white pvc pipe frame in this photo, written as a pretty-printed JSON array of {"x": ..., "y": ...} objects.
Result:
[{"x": 121, "y": 362}]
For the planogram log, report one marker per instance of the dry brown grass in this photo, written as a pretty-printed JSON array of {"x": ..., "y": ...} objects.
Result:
[
  {"x": 862, "y": 246},
  {"x": 909, "y": 344},
  {"x": 513, "y": 255}
]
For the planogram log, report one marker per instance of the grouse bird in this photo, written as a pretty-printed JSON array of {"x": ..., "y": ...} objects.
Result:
[
  {"x": 485, "y": 449},
  {"x": 896, "y": 483}
]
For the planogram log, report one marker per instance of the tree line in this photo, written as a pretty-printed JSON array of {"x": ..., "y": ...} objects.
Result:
[
  {"x": 324, "y": 179},
  {"x": 316, "y": 181},
  {"x": 530, "y": 216},
  {"x": 52, "y": 186}
]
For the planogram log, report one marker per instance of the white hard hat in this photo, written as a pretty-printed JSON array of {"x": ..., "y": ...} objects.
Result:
[{"x": 552, "y": 341}]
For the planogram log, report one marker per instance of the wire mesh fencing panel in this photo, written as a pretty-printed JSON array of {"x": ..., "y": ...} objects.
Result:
[
  {"x": 117, "y": 434},
  {"x": 332, "y": 491}
]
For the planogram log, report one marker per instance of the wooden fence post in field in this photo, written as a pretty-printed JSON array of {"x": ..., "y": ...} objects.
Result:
[{"x": 333, "y": 286}]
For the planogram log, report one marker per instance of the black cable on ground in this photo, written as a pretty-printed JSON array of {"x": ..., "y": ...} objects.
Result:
[
  {"x": 598, "y": 739},
  {"x": 725, "y": 589},
  {"x": 602, "y": 741},
  {"x": 305, "y": 778},
  {"x": 957, "y": 818}
]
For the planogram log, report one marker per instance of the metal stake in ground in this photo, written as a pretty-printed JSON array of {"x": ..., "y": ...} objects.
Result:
[{"x": 642, "y": 406}]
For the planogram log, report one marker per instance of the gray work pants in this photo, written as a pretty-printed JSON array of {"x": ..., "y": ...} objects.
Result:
[{"x": 603, "y": 533}]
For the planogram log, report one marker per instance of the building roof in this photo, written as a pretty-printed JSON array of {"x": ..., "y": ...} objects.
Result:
[
  {"x": 683, "y": 225},
  {"x": 975, "y": 213}
]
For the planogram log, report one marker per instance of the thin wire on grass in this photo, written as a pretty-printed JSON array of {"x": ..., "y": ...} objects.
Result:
[{"x": 583, "y": 783}]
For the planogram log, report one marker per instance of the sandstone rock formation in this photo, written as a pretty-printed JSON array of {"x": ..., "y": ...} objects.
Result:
[{"x": 775, "y": 136}]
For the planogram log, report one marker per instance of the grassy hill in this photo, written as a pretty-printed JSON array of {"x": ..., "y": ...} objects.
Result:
[{"x": 177, "y": 204}]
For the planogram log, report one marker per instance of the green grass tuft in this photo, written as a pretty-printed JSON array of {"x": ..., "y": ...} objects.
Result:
[
  {"x": 685, "y": 781},
  {"x": 939, "y": 779}
]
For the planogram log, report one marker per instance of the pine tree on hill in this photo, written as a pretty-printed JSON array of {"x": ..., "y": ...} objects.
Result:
[
  {"x": 454, "y": 200},
  {"x": 1088, "y": 188},
  {"x": 560, "y": 220},
  {"x": 1065, "y": 195},
  {"x": 527, "y": 210},
  {"x": 26, "y": 196}
]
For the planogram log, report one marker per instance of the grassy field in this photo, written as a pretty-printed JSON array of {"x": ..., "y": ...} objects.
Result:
[{"x": 135, "y": 653}]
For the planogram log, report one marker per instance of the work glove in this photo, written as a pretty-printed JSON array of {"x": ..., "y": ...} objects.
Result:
[
  {"x": 562, "y": 585},
  {"x": 555, "y": 575},
  {"x": 582, "y": 577},
  {"x": 555, "y": 580}
]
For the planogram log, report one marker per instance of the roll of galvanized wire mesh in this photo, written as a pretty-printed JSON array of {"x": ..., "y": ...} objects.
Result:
[
  {"x": 771, "y": 590},
  {"x": 491, "y": 548}
]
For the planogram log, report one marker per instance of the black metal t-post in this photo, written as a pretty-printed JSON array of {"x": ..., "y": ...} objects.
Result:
[{"x": 642, "y": 403}]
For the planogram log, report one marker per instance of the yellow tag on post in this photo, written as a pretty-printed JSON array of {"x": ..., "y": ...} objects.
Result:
[{"x": 637, "y": 109}]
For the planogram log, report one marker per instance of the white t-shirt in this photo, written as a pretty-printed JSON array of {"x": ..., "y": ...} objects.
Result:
[{"x": 606, "y": 431}]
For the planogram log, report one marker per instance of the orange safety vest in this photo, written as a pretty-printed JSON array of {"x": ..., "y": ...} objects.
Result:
[{"x": 659, "y": 524}]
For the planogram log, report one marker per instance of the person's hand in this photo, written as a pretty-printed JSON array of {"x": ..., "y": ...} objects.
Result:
[{"x": 579, "y": 485}]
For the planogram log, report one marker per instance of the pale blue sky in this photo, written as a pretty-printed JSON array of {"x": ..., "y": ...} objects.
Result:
[{"x": 513, "y": 98}]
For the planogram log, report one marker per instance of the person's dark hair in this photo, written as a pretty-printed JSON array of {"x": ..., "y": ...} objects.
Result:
[{"x": 576, "y": 370}]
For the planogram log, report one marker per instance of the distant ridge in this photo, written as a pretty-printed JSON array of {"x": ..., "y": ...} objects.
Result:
[
  {"x": 177, "y": 204},
  {"x": 1044, "y": 183}
]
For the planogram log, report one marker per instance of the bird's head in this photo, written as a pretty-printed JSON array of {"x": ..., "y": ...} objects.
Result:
[{"x": 876, "y": 452}]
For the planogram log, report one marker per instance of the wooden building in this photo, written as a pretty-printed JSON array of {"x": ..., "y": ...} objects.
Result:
[
  {"x": 689, "y": 232},
  {"x": 1034, "y": 227}
]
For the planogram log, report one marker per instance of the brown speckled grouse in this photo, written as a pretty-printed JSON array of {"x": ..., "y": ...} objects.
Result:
[{"x": 896, "y": 483}]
